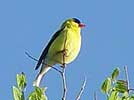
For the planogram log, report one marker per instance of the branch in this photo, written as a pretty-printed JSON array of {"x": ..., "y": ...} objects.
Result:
[
  {"x": 81, "y": 90},
  {"x": 95, "y": 96},
  {"x": 64, "y": 84},
  {"x": 126, "y": 75},
  {"x": 127, "y": 79},
  {"x": 131, "y": 90},
  {"x": 33, "y": 58}
]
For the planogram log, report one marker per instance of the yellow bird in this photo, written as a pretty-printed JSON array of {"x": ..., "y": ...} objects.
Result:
[{"x": 63, "y": 47}]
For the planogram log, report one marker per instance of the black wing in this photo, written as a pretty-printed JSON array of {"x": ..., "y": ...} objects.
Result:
[{"x": 44, "y": 53}]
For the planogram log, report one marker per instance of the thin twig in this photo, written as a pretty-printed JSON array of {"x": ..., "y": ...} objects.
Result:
[
  {"x": 64, "y": 84},
  {"x": 127, "y": 79},
  {"x": 56, "y": 69},
  {"x": 126, "y": 75},
  {"x": 95, "y": 96},
  {"x": 81, "y": 90},
  {"x": 33, "y": 58},
  {"x": 131, "y": 90}
]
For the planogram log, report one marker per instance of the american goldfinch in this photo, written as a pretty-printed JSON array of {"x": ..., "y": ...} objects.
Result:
[{"x": 63, "y": 47}]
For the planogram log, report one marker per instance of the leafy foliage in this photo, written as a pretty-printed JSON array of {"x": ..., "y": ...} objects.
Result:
[
  {"x": 21, "y": 81},
  {"x": 106, "y": 86},
  {"x": 37, "y": 94},
  {"x": 115, "y": 74},
  {"x": 18, "y": 91},
  {"x": 116, "y": 89},
  {"x": 18, "y": 95}
]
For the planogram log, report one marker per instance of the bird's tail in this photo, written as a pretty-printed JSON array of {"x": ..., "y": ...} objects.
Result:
[{"x": 44, "y": 69}]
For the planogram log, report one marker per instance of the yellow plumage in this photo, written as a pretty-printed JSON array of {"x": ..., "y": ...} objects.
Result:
[
  {"x": 69, "y": 41},
  {"x": 62, "y": 48}
]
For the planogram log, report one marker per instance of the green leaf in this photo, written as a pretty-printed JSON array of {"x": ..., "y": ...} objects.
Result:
[
  {"x": 121, "y": 86},
  {"x": 17, "y": 94},
  {"x": 115, "y": 74},
  {"x": 113, "y": 95},
  {"x": 38, "y": 94},
  {"x": 131, "y": 98},
  {"x": 21, "y": 81},
  {"x": 125, "y": 94},
  {"x": 106, "y": 86}
]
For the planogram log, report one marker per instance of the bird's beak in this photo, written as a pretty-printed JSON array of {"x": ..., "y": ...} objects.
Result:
[{"x": 81, "y": 25}]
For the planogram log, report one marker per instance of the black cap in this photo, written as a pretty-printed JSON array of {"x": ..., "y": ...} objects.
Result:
[{"x": 76, "y": 20}]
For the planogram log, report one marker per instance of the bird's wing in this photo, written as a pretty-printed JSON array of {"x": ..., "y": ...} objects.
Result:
[{"x": 44, "y": 53}]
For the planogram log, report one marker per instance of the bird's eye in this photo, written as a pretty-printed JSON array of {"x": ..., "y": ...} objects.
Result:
[{"x": 76, "y": 20}]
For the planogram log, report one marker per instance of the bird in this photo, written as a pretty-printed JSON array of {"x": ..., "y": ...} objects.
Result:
[{"x": 63, "y": 47}]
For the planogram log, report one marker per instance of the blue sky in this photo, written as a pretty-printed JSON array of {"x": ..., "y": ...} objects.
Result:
[{"x": 107, "y": 42}]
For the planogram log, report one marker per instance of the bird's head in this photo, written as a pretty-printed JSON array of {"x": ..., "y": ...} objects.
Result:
[{"x": 73, "y": 23}]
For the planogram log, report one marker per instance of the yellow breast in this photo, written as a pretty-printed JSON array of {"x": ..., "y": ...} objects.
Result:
[{"x": 69, "y": 41}]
